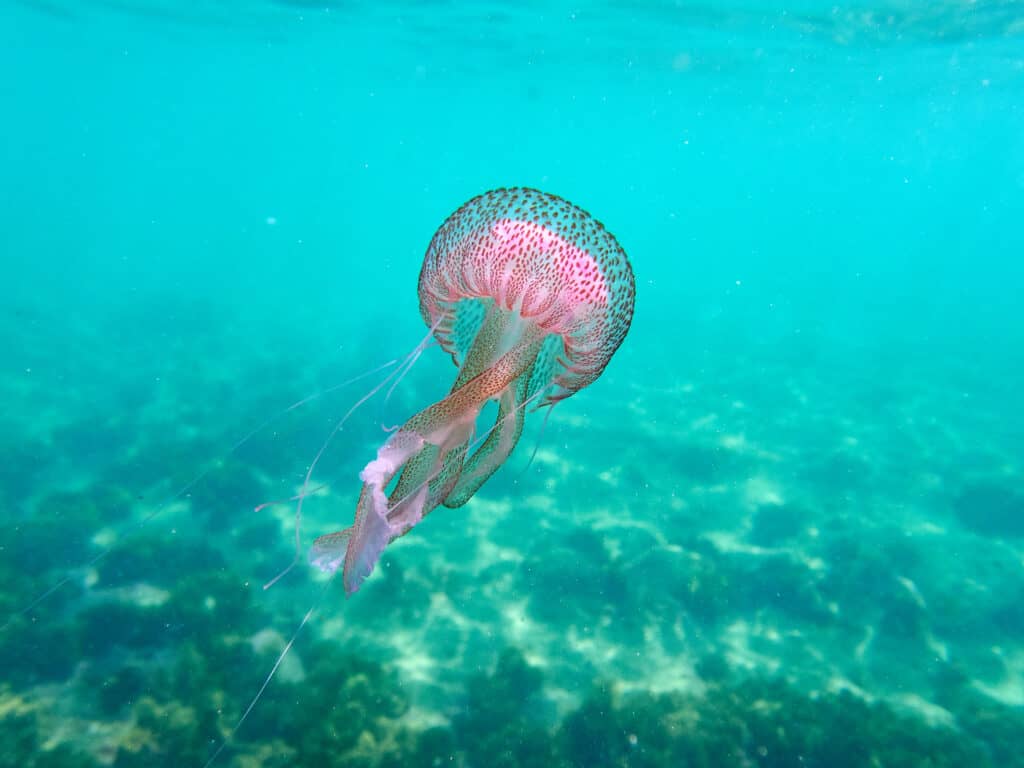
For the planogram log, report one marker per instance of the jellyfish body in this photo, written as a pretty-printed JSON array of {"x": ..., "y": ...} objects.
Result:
[{"x": 531, "y": 297}]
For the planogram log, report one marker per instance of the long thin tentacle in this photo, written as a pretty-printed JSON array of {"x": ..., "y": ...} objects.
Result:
[
  {"x": 399, "y": 371},
  {"x": 184, "y": 489},
  {"x": 540, "y": 437},
  {"x": 270, "y": 676}
]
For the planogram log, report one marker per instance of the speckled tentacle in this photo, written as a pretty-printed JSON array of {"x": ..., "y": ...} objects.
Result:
[
  {"x": 497, "y": 447},
  {"x": 463, "y": 405},
  {"x": 439, "y": 469},
  {"x": 434, "y": 440},
  {"x": 444, "y": 471}
]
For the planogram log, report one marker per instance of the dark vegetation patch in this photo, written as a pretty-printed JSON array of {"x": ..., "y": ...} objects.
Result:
[
  {"x": 776, "y": 524},
  {"x": 991, "y": 510}
]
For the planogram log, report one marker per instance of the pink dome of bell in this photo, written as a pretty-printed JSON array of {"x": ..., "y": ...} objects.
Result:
[{"x": 542, "y": 258}]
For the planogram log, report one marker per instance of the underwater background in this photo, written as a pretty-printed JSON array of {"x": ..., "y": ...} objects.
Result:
[{"x": 785, "y": 527}]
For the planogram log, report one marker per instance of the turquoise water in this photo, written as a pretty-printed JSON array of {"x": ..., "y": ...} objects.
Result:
[{"x": 785, "y": 527}]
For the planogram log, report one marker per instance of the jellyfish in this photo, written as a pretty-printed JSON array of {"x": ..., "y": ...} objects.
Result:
[{"x": 531, "y": 297}]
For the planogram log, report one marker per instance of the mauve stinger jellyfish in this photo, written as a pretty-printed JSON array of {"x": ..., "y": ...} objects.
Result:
[{"x": 531, "y": 297}]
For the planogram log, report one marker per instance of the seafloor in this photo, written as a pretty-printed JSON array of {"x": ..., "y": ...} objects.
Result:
[{"x": 741, "y": 554}]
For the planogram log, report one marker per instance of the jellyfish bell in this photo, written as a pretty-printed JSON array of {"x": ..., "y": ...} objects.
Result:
[{"x": 531, "y": 297}]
